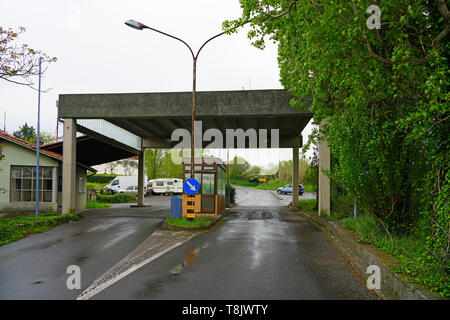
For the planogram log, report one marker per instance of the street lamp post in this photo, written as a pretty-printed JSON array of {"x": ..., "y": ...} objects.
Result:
[{"x": 140, "y": 26}]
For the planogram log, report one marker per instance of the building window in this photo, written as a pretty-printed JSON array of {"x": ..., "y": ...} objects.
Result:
[{"x": 23, "y": 184}]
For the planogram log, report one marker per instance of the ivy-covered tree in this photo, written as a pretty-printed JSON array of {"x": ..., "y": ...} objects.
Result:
[{"x": 381, "y": 97}]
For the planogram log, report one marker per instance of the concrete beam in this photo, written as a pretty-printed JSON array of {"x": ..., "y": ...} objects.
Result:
[
  {"x": 291, "y": 141},
  {"x": 154, "y": 142},
  {"x": 69, "y": 166},
  {"x": 177, "y": 104}
]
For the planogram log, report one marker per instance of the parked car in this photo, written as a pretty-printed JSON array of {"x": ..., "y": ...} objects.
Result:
[
  {"x": 288, "y": 189},
  {"x": 133, "y": 190},
  {"x": 122, "y": 183}
]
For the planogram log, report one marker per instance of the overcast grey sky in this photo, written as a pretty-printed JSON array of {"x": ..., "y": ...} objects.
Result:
[{"x": 97, "y": 53}]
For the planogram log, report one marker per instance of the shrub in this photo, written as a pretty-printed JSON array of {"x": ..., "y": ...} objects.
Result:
[
  {"x": 117, "y": 198},
  {"x": 229, "y": 189}
]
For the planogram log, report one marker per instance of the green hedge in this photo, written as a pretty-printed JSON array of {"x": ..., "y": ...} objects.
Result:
[
  {"x": 117, "y": 198},
  {"x": 101, "y": 178}
]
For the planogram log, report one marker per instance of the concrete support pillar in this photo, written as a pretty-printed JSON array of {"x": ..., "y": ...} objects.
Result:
[
  {"x": 141, "y": 181},
  {"x": 324, "y": 182},
  {"x": 69, "y": 166},
  {"x": 295, "y": 181}
]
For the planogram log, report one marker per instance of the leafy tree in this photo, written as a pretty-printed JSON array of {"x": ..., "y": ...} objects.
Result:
[
  {"x": 153, "y": 159},
  {"x": 159, "y": 164},
  {"x": 285, "y": 170},
  {"x": 18, "y": 63},
  {"x": 25, "y": 132},
  {"x": 111, "y": 166},
  {"x": 252, "y": 174},
  {"x": 128, "y": 166},
  {"x": 381, "y": 98},
  {"x": 237, "y": 167},
  {"x": 46, "y": 137}
]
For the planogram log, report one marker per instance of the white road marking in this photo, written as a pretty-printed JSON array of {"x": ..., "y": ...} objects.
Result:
[{"x": 89, "y": 293}]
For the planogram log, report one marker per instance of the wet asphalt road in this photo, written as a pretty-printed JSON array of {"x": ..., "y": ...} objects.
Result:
[
  {"x": 262, "y": 251},
  {"x": 35, "y": 267}
]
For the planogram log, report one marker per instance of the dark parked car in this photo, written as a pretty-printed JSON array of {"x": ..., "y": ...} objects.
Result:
[{"x": 288, "y": 189}]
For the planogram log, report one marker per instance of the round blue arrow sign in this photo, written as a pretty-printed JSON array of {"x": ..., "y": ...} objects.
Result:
[{"x": 191, "y": 186}]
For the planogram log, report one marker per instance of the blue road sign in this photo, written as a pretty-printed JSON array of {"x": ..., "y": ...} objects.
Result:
[{"x": 191, "y": 186}]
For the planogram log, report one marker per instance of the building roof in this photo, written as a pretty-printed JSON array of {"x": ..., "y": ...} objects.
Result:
[
  {"x": 5, "y": 136},
  {"x": 92, "y": 151}
]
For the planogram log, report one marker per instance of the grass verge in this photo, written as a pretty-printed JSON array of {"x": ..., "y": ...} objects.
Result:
[
  {"x": 269, "y": 185},
  {"x": 95, "y": 204},
  {"x": 415, "y": 260},
  {"x": 307, "y": 205},
  {"x": 13, "y": 229},
  {"x": 199, "y": 222}
]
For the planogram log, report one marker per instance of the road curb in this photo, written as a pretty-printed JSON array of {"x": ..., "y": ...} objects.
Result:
[
  {"x": 360, "y": 256},
  {"x": 276, "y": 195}
]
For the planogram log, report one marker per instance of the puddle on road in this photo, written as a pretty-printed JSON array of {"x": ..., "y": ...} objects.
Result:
[{"x": 190, "y": 258}]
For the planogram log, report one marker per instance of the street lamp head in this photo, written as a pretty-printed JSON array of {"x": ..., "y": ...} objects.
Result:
[{"x": 136, "y": 25}]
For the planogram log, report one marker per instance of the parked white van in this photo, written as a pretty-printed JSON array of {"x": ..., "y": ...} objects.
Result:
[
  {"x": 165, "y": 186},
  {"x": 122, "y": 182}
]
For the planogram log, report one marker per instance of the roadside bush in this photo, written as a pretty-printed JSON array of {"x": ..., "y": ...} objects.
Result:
[
  {"x": 117, "y": 198},
  {"x": 229, "y": 189}
]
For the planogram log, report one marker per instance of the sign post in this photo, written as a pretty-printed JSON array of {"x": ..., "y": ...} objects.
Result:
[{"x": 191, "y": 187}]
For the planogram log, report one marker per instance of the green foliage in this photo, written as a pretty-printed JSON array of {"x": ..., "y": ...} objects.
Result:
[
  {"x": 117, "y": 198},
  {"x": 243, "y": 183},
  {"x": 237, "y": 167},
  {"x": 252, "y": 174},
  {"x": 96, "y": 204},
  {"x": 159, "y": 164},
  {"x": 414, "y": 258},
  {"x": 285, "y": 170},
  {"x": 229, "y": 189},
  {"x": 270, "y": 185},
  {"x": 308, "y": 205},
  {"x": 12, "y": 229},
  {"x": 199, "y": 221},
  {"x": 101, "y": 178},
  {"x": 381, "y": 99},
  {"x": 25, "y": 132}
]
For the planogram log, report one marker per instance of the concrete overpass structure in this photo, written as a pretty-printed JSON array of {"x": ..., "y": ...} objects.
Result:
[{"x": 135, "y": 121}]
